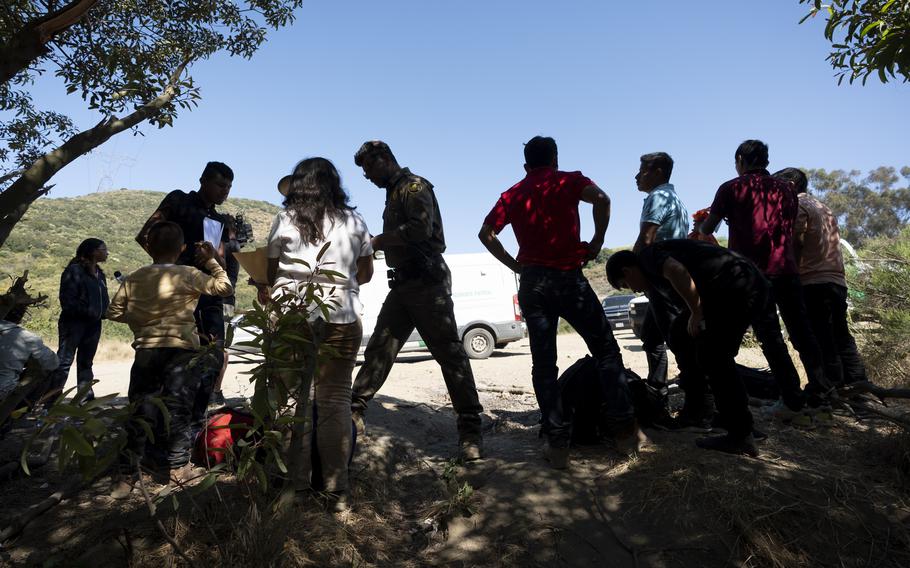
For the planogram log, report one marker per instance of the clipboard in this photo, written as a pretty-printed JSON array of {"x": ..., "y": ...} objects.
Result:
[{"x": 255, "y": 262}]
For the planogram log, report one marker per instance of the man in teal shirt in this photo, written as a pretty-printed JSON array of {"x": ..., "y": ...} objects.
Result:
[{"x": 663, "y": 217}]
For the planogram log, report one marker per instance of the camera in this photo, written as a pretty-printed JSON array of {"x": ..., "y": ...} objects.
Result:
[{"x": 242, "y": 229}]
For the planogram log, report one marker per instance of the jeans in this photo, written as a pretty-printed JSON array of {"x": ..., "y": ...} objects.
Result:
[
  {"x": 788, "y": 295},
  {"x": 78, "y": 341},
  {"x": 746, "y": 301},
  {"x": 167, "y": 374},
  {"x": 428, "y": 307},
  {"x": 826, "y": 305},
  {"x": 545, "y": 295},
  {"x": 331, "y": 393},
  {"x": 209, "y": 316},
  {"x": 652, "y": 343}
]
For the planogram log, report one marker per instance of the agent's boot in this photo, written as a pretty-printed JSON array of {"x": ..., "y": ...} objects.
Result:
[{"x": 470, "y": 448}]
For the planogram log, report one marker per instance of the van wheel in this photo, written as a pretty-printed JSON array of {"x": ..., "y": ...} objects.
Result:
[{"x": 478, "y": 343}]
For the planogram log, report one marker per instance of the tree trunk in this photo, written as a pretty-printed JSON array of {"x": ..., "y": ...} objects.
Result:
[
  {"x": 16, "y": 199},
  {"x": 30, "y": 43}
]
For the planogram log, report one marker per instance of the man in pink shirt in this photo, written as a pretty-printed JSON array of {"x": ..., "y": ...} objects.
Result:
[
  {"x": 821, "y": 272},
  {"x": 543, "y": 211}
]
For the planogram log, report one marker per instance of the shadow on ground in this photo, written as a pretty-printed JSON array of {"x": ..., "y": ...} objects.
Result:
[{"x": 827, "y": 497}]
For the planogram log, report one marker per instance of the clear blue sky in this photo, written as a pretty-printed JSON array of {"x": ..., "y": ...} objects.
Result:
[{"x": 456, "y": 87}]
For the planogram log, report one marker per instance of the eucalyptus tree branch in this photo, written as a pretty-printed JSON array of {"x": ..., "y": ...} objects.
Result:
[
  {"x": 30, "y": 43},
  {"x": 16, "y": 199}
]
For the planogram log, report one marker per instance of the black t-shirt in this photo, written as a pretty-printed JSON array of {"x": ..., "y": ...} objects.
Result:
[
  {"x": 190, "y": 212},
  {"x": 718, "y": 273},
  {"x": 232, "y": 267}
]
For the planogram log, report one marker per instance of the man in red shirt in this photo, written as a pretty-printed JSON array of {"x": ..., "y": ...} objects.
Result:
[
  {"x": 543, "y": 211},
  {"x": 761, "y": 211}
]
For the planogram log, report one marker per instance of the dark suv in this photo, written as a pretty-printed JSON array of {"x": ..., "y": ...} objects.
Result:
[{"x": 616, "y": 308}]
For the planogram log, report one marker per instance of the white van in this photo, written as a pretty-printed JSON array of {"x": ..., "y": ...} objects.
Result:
[{"x": 485, "y": 294}]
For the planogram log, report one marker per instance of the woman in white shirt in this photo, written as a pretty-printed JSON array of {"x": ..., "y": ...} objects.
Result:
[{"x": 316, "y": 213}]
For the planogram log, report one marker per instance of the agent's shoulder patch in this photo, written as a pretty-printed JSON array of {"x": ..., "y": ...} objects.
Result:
[{"x": 416, "y": 184}]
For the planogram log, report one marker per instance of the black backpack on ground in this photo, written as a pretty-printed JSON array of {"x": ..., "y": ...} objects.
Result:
[{"x": 582, "y": 400}]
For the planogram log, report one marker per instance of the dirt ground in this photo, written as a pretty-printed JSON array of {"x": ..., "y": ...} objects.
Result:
[{"x": 830, "y": 496}]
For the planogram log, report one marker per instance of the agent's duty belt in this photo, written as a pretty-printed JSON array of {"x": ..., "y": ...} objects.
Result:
[{"x": 428, "y": 270}]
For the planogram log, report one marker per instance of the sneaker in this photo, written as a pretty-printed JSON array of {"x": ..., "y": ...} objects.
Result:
[
  {"x": 783, "y": 413},
  {"x": 359, "y": 424},
  {"x": 730, "y": 445},
  {"x": 337, "y": 502},
  {"x": 89, "y": 396},
  {"x": 217, "y": 400},
  {"x": 558, "y": 457},
  {"x": 470, "y": 450},
  {"x": 684, "y": 422},
  {"x": 822, "y": 415},
  {"x": 121, "y": 487},
  {"x": 628, "y": 437},
  {"x": 184, "y": 474}
]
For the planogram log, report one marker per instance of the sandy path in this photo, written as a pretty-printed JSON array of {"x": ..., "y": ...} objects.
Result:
[{"x": 415, "y": 376}]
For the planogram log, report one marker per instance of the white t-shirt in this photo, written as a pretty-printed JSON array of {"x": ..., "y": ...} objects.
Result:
[
  {"x": 17, "y": 347},
  {"x": 349, "y": 240}
]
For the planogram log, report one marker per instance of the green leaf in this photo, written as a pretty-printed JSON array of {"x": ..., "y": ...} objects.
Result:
[
  {"x": 206, "y": 483},
  {"x": 145, "y": 427},
  {"x": 321, "y": 252},
  {"x": 100, "y": 401},
  {"x": 165, "y": 413},
  {"x": 23, "y": 460},
  {"x": 74, "y": 439},
  {"x": 870, "y": 27},
  {"x": 94, "y": 427},
  {"x": 260, "y": 476},
  {"x": 68, "y": 409},
  {"x": 279, "y": 461}
]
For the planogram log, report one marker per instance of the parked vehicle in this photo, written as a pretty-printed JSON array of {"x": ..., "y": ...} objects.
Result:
[
  {"x": 616, "y": 308},
  {"x": 485, "y": 294},
  {"x": 638, "y": 307}
]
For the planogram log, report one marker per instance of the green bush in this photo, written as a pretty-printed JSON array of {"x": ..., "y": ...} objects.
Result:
[{"x": 881, "y": 304}]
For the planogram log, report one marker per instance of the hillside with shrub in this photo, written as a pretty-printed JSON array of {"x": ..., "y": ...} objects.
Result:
[{"x": 46, "y": 239}]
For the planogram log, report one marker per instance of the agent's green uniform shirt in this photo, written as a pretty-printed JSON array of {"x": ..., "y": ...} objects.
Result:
[{"x": 412, "y": 213}]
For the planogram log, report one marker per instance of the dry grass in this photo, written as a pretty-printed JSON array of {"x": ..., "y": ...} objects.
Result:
[
  {"x": 809, "y": 501},
  {"x": 240, "y": 527}
]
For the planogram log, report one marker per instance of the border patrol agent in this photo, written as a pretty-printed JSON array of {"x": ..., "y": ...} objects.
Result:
[{"x": 420, "y": 294}]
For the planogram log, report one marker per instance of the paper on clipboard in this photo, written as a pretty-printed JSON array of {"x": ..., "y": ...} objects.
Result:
[
  {"x": 255, "y": 263},
  {"x": 211, "y": 231}
]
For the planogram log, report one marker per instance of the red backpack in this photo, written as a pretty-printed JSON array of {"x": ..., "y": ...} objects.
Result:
[{"x": 222, "y": 431}]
